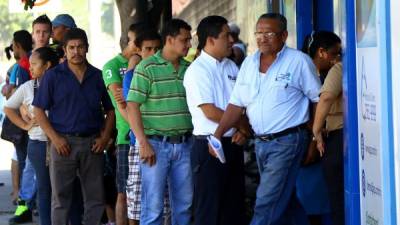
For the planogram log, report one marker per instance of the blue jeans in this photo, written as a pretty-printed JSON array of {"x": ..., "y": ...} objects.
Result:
[
  {"x": 172, "y": 166},
  {"x": 27, "y": 190},
  {"x": 279, "y": 161},
  {"x": 37, "y": 157}
]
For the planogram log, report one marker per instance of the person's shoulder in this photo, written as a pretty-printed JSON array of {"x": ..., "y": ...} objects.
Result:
[
  {"x": 54, "y": 72},
  {"x": 94, "y": 70},
  {"x": 27, "y": 85},
  {"x": 112, "y": 63},
  {"x": 291, "y": 52},
  {"x": 149, "y": 62},
  {"x": 198, "y": 63},
  {"x": 336, "y": 69},
  {"x": 250, "y": 61},
  {"x": 297, "y": 56},
  {"x": 230, "y": 63}
]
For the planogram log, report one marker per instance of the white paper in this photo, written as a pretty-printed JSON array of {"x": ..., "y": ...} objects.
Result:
[{"x": 216, "y": 145}]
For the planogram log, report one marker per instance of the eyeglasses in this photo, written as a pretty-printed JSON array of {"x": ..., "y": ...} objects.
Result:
[{"x": 268, "y": 35}]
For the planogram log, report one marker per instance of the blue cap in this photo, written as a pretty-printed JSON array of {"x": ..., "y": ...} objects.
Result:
[{"x": 64, "y": 19}]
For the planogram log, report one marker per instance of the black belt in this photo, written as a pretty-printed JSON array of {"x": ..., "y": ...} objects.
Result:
[
  {"x": 171, "y": 139},
  {"x": 78, "y": 134},
  {"x": 204, "y": 137},
  {"x": 270, "y": 137}
]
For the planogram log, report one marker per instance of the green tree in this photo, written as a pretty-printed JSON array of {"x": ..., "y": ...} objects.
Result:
[{"x": 11, "y": 22}]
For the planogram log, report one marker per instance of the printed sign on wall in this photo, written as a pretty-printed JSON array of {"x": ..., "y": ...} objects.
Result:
[{"x": 369, "y": 113}]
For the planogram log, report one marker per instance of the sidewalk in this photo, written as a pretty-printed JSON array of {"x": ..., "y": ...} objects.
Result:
[{"x": 6, "y": 207}]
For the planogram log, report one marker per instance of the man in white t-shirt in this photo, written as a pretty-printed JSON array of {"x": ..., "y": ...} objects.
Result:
[{"x": 209, "y": 81}]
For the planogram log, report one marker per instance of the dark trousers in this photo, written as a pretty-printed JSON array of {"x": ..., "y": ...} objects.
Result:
[
  {"x": 218, "y": 188},
  {"x": 332, "y": 165},
  {"x": 22, "y": 151},
  {"x": 63, "y": 173}
]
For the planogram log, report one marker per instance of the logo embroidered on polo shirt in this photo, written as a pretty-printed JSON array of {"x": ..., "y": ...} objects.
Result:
[
  {"x": 283, "y": 77},
  {"x": 231, "y": 77},
  {"x": 122, "y": 71}
]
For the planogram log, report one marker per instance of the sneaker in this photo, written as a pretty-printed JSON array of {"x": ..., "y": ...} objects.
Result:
[{"x": 22, "y": 214}]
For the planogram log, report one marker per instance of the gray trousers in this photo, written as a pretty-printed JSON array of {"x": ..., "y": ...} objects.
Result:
[{"x": 88, "y": 166}]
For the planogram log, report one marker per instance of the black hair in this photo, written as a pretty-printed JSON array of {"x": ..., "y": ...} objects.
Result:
[
  {"x": 319, "y": 39},
  {"x": 138, "y": 27},
  {"x": 8, "y": 51},
  {"x": 210, "y": 26},
  {"x": 173, "y": 28},
  {"x": 43, "y": 19},
  {"x": 74, "y": 34},
  {"x": 276, "y": 16},
  {"x": 24, "y": 39},
  {"x": 47, "y": 54},
  {"x": 146, "y": 35}
]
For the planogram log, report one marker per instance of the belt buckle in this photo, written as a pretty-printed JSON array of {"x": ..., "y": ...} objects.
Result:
[
  {"x": 175, "y": 139},
  {"x": 268, "y": 137}
]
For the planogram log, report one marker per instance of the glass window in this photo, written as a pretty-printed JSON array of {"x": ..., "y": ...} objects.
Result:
[{"x": 289, "y": 11}]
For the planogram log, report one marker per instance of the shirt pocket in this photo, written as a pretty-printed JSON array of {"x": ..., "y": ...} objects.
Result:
[{"x": 281, "y": 91}]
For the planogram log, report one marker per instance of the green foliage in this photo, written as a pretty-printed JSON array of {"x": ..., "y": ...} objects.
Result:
[
  {"x": 29, "y": 4},
  {"x": 11, "y": 22},
  {"x": 79, "y": 10}
]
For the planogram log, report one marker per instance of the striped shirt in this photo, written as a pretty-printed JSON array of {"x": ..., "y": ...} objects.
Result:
[{"x": 158, "y": 87}]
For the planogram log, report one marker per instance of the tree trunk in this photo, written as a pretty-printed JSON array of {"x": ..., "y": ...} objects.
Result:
[{"x": 153, "y": 12}]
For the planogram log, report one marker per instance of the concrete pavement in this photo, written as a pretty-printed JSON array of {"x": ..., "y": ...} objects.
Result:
[{"x": 6, "y": 207}]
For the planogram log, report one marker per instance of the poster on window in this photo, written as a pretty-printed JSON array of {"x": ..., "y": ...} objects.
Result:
[
  {"x": 395, "y": 37},
  {"x": 369, "y": 112}
]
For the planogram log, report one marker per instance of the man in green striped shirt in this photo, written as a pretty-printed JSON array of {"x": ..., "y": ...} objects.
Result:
[{"x": 159, "y": 116}]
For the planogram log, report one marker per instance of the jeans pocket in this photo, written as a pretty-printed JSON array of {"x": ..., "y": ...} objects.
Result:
[{"x": 288, "y": 140}]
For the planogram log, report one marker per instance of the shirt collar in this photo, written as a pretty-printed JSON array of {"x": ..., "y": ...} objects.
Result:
[
  {"x": 89, "y": 70},
  {"x": 281, "y": 51},
  {"x": 160, "y": 59},
  {"x": 210, "y": 59},
  {"x": 256, "y": 57},
  {"x": 121, "y": 58}
]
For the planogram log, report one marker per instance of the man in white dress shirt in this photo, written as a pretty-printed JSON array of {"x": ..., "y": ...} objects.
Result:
[
  {"x": 275, "y": 86},
  {"x": 209, "y": 81}
]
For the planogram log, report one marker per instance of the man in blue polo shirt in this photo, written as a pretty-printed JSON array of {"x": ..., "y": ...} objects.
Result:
[{"x": 76, "y": 99}]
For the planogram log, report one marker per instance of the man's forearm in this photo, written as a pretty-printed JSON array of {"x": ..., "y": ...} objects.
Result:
[
  {"x": 14, "y": 117},
  {"x": 215, "y": 114},
  {"x": 230, "y": 118},
  {"x": 44, "y": 123},
  {"x": 212, "y": 112},
  {"x": 135, "y": 121},
  {"x": 321, "y": 113}
]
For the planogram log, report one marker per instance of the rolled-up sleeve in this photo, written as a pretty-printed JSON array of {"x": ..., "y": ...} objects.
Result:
[
  {"x": 16, "y": 99},
  {"x": 333, "y": 81},
  {"x": 43, "y": 97},
  {"x": 309, "y": 80},
  {"x": 239, "y": 90},
  {"x": 198, "y": 86}
]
